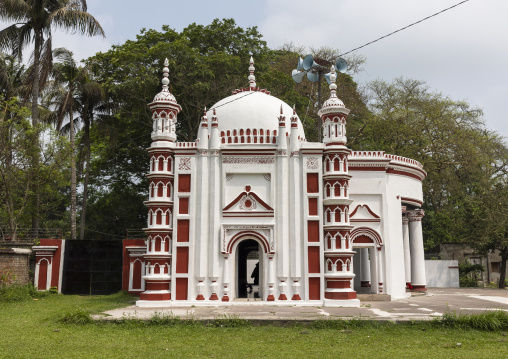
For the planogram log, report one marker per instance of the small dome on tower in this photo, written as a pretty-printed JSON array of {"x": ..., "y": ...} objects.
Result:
[
  {"x": 165, "y": 95},
  {"x": 333, "y": 104}
]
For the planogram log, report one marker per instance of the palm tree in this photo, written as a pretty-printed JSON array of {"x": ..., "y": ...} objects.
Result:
[
  {"x": 71, "y": 92},
  {"x": 33, "y": 22},
  {"x": 96, "y": 107}
]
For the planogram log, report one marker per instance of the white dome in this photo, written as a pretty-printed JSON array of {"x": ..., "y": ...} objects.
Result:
[{"x": 252, "y": 110}]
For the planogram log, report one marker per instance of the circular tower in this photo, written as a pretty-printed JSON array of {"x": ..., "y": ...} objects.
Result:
[
  {"x": 338, "y": 252},
  {"x": 157, "y": 274}
]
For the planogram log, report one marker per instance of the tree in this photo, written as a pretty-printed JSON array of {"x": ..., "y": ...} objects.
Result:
[
  {"x": 17, "y": 173},
  {"x": 277, "y": 78},
  {"x": 203, "y": 70},
  {"x": 71, "y": 91},
  {"x": 451, "y": 141},
  {"x": 34, "y": 20}
]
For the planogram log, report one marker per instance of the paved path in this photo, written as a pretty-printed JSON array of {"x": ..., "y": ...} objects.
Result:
[{"x": 418, "y": 307}]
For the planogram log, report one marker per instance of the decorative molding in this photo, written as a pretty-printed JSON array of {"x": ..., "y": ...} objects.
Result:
[
  {"x": 229, "y": 177},
  {"x": 233, "y": 233},
  {"x": 370, "y": 211},
  {"x": 411, "y": 201},
  {"x": 267, "y": 177},
  {"x": 248, "y": 160},
  {"x": 312, "y": 163},
  {"x": 294, "y": 153},
  {"x": 415, "y": 215},
  {"x": 367, "y": 232},
  {"x": 249, "y": 204},
  {"x": 185, "y": 164},
  {"x": 282, "y": 153}
]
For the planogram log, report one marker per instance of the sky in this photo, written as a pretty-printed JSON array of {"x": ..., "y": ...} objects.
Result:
[{"x": 462, "y": 53}]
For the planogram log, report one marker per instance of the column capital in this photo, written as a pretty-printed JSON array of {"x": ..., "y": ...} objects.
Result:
[
  {"x": 415, "y": 215},
  {"x": 403, "y": 209},
  {"x": 405, "y": 220}
]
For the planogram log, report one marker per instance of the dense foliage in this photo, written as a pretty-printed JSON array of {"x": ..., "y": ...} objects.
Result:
[{"x": 465, "y": 192}]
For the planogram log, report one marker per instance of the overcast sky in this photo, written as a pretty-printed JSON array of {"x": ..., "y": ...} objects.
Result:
[{"x": 462, "y": 53}]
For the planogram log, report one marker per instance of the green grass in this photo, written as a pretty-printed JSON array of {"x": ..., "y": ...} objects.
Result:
[{"x": 57, "y": 326}]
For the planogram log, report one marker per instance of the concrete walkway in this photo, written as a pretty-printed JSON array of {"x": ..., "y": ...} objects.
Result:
[{"x": 418, "y": 307}]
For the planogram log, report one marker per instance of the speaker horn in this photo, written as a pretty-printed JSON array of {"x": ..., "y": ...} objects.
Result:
[
  {"x": 308, "y": 62},
  {"x": 341, "y": 65},
  {"x": 300, "y": 64},
  {"x": 312, "y": 77},
  {"x": 297, "y": 76}
]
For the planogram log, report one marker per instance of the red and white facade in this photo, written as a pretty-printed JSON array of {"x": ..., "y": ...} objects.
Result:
[{"x": 322, "y": 222}]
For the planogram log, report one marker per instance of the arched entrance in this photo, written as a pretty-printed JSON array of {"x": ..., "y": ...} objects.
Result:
[
  {"x": 248, "y": 269},
  {"x": 367, "y": 262}
]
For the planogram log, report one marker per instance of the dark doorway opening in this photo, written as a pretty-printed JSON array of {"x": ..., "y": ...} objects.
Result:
[
  {"x": 248, "y": 269},
  {"x": 92, "y": 267}
]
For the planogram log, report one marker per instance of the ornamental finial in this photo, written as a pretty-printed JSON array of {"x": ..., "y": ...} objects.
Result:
[
  {"x": 333, "y": 86},
  {"x": 252, "y": 78},
  {"x": 165, "y": 79}
]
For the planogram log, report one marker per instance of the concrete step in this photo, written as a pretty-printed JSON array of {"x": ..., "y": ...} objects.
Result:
[{"x": 374, "y": 297}]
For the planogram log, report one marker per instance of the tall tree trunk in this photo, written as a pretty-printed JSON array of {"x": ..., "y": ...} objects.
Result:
[
  {"x": 85, "y": 184},
  {"x": 502, "y": 277},
  {"x": 35, "y": 122},
  {"x": 73, "y": 175}
]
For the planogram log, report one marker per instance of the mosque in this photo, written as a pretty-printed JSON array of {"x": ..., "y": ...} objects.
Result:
[{"x": 253, "y": 213}]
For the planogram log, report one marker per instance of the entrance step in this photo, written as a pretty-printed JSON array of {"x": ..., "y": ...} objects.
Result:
[
  {"x": 248, "y": 299},
  {"x": 374, "y": 297}
]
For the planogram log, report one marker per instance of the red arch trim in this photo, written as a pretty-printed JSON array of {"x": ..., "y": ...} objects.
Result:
[
  {"x": 242, "y": 235},
  {"x": 368, "y": 232}
]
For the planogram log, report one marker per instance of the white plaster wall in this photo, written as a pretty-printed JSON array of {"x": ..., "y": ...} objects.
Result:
[{"x": 442, "y": 273}]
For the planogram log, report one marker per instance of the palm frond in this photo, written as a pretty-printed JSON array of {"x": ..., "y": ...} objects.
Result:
[
  {"x": 72, "y": 20},
  {"x": 14, "y": 10}
]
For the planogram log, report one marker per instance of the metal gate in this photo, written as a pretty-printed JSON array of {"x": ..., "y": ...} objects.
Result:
[{"x": 92, "y": 267}]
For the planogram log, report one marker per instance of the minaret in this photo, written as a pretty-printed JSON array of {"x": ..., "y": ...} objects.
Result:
[
  {"x": 202, "y": 212},
  {"x": 338, "y": 259},
  {"x": 281, "y": 208},
  {"x": 214, "y": 215},
  {"x": 159, "y": 229}
]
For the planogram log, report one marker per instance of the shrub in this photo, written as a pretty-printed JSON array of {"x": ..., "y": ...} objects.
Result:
[
  {"x": 19, "y": 293},
  {"x": 469, "y": 273},
  {"x": 494, "y": 320},
  {"x": 7, "y": 276},
  {"x": 77, "y": 316}
]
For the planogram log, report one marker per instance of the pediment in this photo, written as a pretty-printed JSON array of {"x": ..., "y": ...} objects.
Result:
[
  {"x": 363, "y": 213},
  {"x": 247, "y": 204}
]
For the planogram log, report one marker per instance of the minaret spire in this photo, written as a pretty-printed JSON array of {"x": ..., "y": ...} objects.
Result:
[
  {"x": 165, "y": 79},
  {"x": 252, "y": 78}
]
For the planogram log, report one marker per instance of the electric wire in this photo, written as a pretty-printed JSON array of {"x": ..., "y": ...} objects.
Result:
[{"x": 405, "y": 27}]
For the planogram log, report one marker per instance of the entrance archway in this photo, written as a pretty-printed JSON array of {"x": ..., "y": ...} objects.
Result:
[
  {"x": 248, "y": 269},
  {"x": 367, "y": 262}
]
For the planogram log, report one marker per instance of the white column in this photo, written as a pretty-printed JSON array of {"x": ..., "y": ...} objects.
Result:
[
  {"x": 374, "y": 289},
  {"x": 418, "y": 279},
  {"x": 271, "y": 280},
  {"x": 380, "y": 271},
  {"x": 215, "y": 208},
  {"x": 225, "y": 278},
  {"x": 407, "y": 253},
  {"x": 365, "y": 269}
]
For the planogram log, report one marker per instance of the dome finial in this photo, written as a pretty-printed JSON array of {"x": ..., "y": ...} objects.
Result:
[
  {"x": 333, "y": 86},
  {"x": 165, "y": 79},
  {"x": 252, "y": 78}
]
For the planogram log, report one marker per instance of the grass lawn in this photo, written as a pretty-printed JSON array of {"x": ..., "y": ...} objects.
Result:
[{"x": 33, "y": 329}]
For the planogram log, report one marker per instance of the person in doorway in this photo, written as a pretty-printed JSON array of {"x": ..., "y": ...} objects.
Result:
[{"x": 255, "y": 274}]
